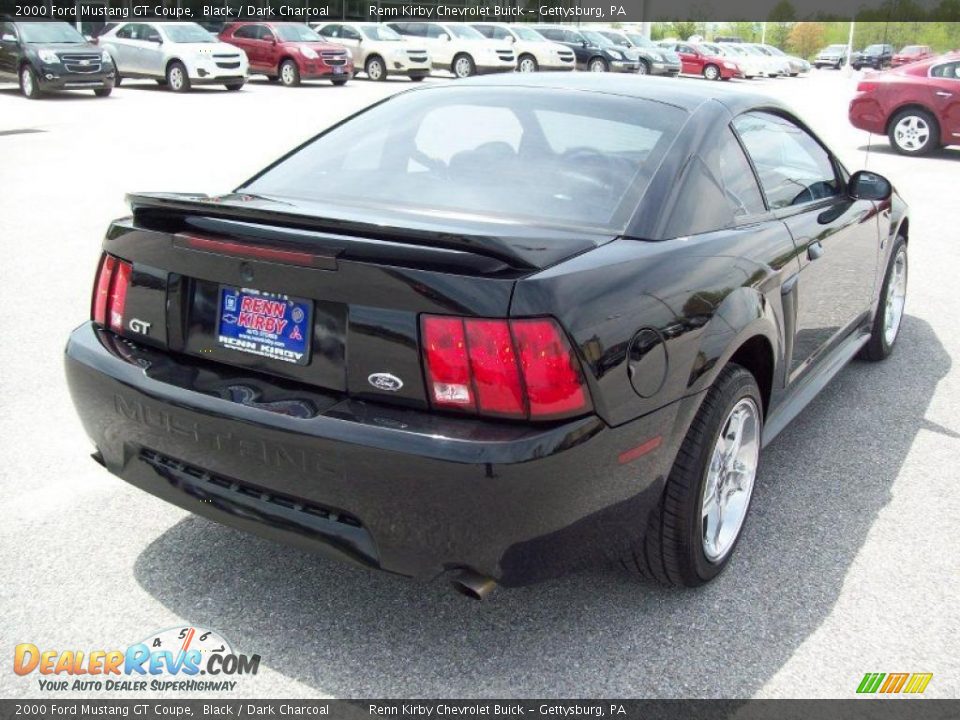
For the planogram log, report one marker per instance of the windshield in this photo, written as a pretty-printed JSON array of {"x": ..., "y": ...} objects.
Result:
[
  {"x": 874, "y": 49},
  {"x": 188, "y": 33},
  {"x": 596, "y": 38},
  {"x": 750, "y": 50},
  {"x": 774, "y": 51},
  {"x": 295, "y": 32},
  {"x": 528, "y": 34},
  {"x": 640, "y": 40},
  {"x": 835, "y": 48},
  {"x": 463, "y": 32},
  {"x": 733, "y": 50},
  {"x": 47, "y": 32},
  {"x": 520, "y": 154},
  {"x": 380, "y": 32}
]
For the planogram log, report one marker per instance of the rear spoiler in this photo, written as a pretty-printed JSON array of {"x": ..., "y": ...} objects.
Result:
[{"x": 365, "y": 235}]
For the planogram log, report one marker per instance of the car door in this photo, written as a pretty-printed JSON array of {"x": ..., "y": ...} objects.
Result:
[
  {"x": 440, "y": 45},
  {"x": 269, "y": 48},
  {"x": 244, "y": 37},
  {"x": 9, "y": 51},
  {"x": 944, "y": 84},
  {"x": 837, "y": 237},
  {"x": 151, "y": 53},
  {"x": 350, "y": 37},
  {"x": 691, "y": 63},
  {"x": 122, "y": 47}
]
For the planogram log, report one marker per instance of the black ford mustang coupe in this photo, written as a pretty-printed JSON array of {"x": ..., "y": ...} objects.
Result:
[{"x": 493, "y": 328}]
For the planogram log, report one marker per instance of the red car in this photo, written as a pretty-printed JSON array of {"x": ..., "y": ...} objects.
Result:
[
  {"x": 910, "y": 54},
  {"x": 916, "y": 106},
  {"x": 697, "y": 60},
  {"x": 289, "y": 52}
]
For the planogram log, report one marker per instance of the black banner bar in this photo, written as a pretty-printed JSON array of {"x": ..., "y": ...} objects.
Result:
[{"x": 147, "y": 709}]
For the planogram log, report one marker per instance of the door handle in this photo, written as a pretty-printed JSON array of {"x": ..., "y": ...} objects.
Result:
[
  {"x": 942, "y": 93},
  {"x": 814, "y": 250}
]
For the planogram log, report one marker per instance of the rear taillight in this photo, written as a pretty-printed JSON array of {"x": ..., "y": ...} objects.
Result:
[
  {"x": 521, "y": 369},
  {"x": 866, "y": 86},
  {"x": 110, "y": 292}
]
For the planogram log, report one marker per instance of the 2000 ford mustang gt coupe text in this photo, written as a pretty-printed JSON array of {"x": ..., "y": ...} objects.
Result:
[{"x": 567, "y": 328}]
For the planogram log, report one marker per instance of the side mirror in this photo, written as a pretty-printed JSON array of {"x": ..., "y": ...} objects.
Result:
[
  {"x": 510, "y": 39},
  {"x": 866, "y": 185},
  {"x": 584, "y": 43}
]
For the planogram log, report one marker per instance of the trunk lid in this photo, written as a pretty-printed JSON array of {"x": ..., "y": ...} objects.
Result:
[{"x": 358, "y": 284}]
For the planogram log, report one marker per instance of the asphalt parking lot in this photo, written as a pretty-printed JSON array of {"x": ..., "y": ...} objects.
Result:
[{"x": 848, "y": 564}]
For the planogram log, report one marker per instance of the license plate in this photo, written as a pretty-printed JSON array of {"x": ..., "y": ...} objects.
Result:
[
  {"x": 265, "y": 324},
  {"x": 337, "y": 70}
]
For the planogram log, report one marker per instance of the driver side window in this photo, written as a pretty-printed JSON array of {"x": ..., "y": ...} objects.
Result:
[{"x": 793, "y": 167}]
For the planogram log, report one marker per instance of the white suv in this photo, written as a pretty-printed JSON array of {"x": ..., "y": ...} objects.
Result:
[
  {"x": 175, "y": 54},
  {"x": 534, "y": 52},
  {"x": 459, "y": 48}
]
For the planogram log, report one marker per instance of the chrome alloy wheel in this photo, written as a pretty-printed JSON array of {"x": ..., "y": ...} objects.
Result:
[
  {"x": 896, "y": 297},
  {"x": 176, "y": 79},
  {"x": 528, "y": 64},
  {"x": 912, "y": 133},
  {"x": 729, "y": 482},
  {"x": 375, "y": 70},
  {"x": 26, "y": 81},
  {"x": 598, "y": 65},
  {"x": 288, "y": 73},
  {"x": 463, "y": 67}
]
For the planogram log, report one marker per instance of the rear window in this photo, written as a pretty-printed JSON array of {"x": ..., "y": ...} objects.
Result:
[{"x": 528, "y": 155}]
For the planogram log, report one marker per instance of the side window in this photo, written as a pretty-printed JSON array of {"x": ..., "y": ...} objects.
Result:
[
  {"x": 348, "y": 33},
  {"x": 500, "y": 34},
  {"x": 950, "y": 71},
  {"x": 550, "y": 34},
  {"x": 435, "y": 31},
  {"x": 331, "y": 31},
  {"x": 247, "y": 32},
  {"x": 264, "y": 33},
  {"x": 485, "y": 30},
  {"x": 126, "y": 32},
  {"x": 737, "y": 178},
  {"x": 792, "y": 166},
  {"x": 150, "y": 33}
]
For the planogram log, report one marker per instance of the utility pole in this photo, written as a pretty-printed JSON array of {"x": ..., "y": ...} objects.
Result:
[{"x": 763, "y": 33}]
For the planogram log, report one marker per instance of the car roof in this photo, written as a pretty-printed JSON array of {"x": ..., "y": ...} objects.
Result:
[{"x": 678, "y": 92}]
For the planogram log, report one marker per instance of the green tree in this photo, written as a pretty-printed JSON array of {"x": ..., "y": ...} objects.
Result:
[{"x": 806, "y": 38}]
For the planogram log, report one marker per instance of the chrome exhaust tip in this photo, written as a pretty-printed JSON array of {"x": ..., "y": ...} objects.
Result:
[{"x": 473, "y": 585}]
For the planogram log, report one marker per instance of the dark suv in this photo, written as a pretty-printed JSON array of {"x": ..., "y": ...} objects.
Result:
[
  {"x": 45, "y": 56},
  {"x": 590, "y": 55},
  {"x": 873, "y": 56}
]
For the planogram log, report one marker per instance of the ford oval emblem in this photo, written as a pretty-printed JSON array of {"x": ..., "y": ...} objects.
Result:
[{"x": 385, "y": 381}]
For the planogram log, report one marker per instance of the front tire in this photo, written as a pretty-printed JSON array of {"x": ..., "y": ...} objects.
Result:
[
  {"x": 598, "y": 65},
  {"x": 893, "y": 297},
  {"x": 914, "y": 132},
  {"x": 29, "y": 84},
  {"x": 643, "y": 68},
  {"x": 233, "y": 86},
  {"x": 463, "y": 66},
  {"x": 177, "y": 78},
  {"x": 289, "y": 73},
  {"x": 692, "y": 533},
  {"x": 527, "y": 64},
  {"x": 375, "y": 68},
  {"x": 711, "y": 72},
  {"x": 340, "y": 83},
  {"x": 103, "y": 92}
]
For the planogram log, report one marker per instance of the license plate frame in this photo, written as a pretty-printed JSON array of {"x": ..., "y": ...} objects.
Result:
[{"x": 273, "y": 326}]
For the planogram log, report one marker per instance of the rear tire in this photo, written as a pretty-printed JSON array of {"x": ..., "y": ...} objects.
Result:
[
  {"x": 914, "y": 132},
  {"x": 177, "y": 78},
  {"x": 289, "y": 73},
  {"x": 678, "y": 547},
  {"x": 893, "y": 296}
]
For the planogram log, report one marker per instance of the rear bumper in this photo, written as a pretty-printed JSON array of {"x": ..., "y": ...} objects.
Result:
[
  {"x": 867, "y": 114},
  {"x": 404, "y": 491}
]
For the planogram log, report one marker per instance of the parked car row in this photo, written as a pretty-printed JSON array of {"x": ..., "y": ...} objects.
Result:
[
  {"x": 179, "y": 55},
  {"x": 876, "y": 57}
]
